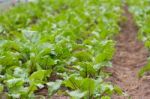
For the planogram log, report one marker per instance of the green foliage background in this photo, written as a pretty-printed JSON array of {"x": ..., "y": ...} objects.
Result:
[{"x": 58, "y": 44}]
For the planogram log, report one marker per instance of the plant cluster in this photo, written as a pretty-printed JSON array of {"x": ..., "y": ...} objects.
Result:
[{"x": 62, "y": 45}]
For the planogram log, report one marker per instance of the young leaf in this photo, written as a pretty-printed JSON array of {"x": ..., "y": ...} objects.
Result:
[
  {"x": 53, "y": 86},
  {"x": 77, "y": 94}
]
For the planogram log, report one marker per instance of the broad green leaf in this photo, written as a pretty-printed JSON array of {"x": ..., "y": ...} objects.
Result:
[
  {"x": 73, "y": 82},
  {"x": 88, "y": 85},
  {"x": 39, "y": 76},
  {"x": 77, "y": 94},
  {"x": 53, "y": 86}
]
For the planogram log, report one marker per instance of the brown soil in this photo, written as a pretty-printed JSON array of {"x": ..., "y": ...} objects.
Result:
[
  {"x": 44, "y": 92},
  {"x": 130, "y": 56}
]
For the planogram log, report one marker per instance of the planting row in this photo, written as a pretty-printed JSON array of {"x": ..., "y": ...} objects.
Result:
[
  {"x": 59, "y": 45},
  {"x": 141, "y": 13}
]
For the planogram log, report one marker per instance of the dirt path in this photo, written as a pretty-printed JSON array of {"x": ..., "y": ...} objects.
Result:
[{"x": 130, "y": 56}]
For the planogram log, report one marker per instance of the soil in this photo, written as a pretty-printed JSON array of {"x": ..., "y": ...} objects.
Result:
[{"x": 130, "y": 56}]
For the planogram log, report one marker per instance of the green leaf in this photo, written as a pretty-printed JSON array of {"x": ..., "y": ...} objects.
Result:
[
  {"x": 53, "y": 86},
  {"x": 15, "y": 82},
  {"x": 118, "y": 90},
  {"x": 83, "y": 56},
  {"x": 77, "y": 94},
  {"x": 1, "y": 88},
  {"x": 87, "y": 69},
  {"x": 88, "y": 85},
  {"x": 144, "y": 70},
  {"x": 105, "y": 97},
  {"x": 39, "y": 76},
  {"x": 73, "y": 82}
]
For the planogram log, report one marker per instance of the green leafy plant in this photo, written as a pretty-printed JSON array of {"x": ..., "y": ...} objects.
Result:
[{"x": 57, "y": 45}]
